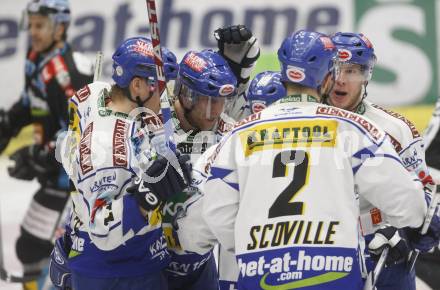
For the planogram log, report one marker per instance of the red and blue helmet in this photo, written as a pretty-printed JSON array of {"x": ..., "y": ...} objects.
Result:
[
  {"x": 306, "y": 57},
  {"x": 265, "y": 89},
  {"x": 59, "y": 10},
  {"x": 355, "y": 48},
  {"x": 205, "y": 73},
  {"x": 135, "y": 58}
]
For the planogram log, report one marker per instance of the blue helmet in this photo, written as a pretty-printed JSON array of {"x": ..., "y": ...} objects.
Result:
[
  {"x": 134, "y": 57},
  {"x": 205, "y": 73},
  {"x": 58, "y": 9},
  {"x": 355, "y": 48},
  {"x": 265, "y": 89},
  {"x": 306, "y": 58}
]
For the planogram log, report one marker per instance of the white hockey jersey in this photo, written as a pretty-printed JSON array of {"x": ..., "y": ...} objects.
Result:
[
  {"x": 193, "y": 143},
  {"x": 111, "y": 238},
  {"x": 408, "y": 144},
  {"x": 283, "y": 195}
]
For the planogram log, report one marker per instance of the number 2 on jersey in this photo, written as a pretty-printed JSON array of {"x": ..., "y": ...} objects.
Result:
[{"x": 283, "y": 205}]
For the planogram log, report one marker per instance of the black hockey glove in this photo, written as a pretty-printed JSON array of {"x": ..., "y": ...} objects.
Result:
[
  {"x": 162, "y": 180},
  {"x": 5, "y": 130},
  {"x": 34, "y": 161},
  {"x": 425, "y": 243},
  {"x": 389, "y": 236},
  {"x": 240, "y": 48}
]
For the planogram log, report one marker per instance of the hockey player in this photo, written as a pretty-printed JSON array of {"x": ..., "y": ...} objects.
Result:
[
  {"x": 356, "y": 63},
  {"x": 204, "y": 85},
  {"x": 283, "y": 186},
  {"x": 52, "y": 75},
  {"x": 265, "y": 89},
  {"x": 115, "y": 236}
]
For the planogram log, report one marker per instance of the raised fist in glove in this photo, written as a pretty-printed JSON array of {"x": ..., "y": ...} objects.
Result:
[
  {"x": 240, "y": 48},
  {"x": 389, "y": 236},
  {"x": 33, "y": 161},
  {"x": 165, "y": 177}
]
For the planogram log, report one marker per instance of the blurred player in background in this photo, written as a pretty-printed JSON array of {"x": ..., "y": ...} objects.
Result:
[
  {"x": 53, "y": 73},
  {"x": 356, "y": 62},
  {"x": 247, "y": 200}
]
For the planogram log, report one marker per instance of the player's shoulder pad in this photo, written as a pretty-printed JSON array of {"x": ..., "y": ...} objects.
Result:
[
  {"x": 394, "y": 124},
  {"x": 367, "y": 126}
]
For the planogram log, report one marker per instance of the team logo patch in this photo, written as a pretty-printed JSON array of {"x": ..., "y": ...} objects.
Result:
[
  {"x": 195, "y": 62},
  {"x": 258, "y": 107},
  {"x": 144, "y": 48},
  {"x": 295, "y": 74},
  {"x": 344, "y": 55},
  {"x": 226, "y": 90}
]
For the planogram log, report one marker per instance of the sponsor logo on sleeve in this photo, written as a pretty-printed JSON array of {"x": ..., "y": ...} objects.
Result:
[
  {"x": 83, "y": 94},
  {"x": 119, "y": 144},
  {"x": 85, "y": 152},
  {"x": 415, "y": 133}
]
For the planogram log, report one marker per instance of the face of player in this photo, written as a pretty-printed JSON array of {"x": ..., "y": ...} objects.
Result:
[
  {"x": 42, "y": 32},
  {"x": 147, "y": 92},
  {"x": 206, "y": 112},
  {"x": 347, "y": 89}
]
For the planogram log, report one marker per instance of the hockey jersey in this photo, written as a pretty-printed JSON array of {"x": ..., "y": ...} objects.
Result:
[
  {"x": 408, "y": 144},
  {"x": 110, "y": 237},
  {"x": 194, "y": 143},
  {"x": 283, "y": 195}
]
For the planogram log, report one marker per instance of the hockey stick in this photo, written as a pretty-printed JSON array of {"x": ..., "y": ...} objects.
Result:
[
  {"x": 98, "y": 66},
  {"x": 161, "y": 81},
  {"x": 429, "y": 215},
  {"x": 374, "y": 275}
]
